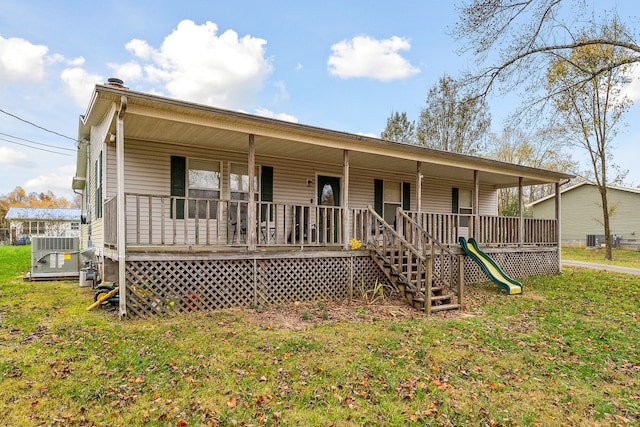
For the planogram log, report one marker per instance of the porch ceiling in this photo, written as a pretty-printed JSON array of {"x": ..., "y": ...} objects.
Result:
[
  {"x": 156, "y": 119},
  {"x": 179, "y": 133}
]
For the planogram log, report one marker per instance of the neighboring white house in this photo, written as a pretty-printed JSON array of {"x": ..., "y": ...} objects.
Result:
[{"x": 29, "y": 222}]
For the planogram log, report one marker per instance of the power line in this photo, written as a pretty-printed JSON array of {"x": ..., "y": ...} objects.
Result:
[
  {"x": 35, "y": 148},
  {"x": 38, "y": 143},
  {"x": 39, "y": 127}
]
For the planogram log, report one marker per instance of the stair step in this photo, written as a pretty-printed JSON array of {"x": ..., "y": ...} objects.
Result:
[
  {"x": 443, "y": 307},
  {"x": 441, "y": 297}
]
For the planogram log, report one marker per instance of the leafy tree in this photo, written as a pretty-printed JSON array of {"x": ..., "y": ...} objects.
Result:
[
  {"x": 399, "y": 128},
  {"x": 19, "y": 197},
  {"x": 543, "y": 150},
  {"x": 452, "y": 120},
  {"x": 591, "y": 105}
]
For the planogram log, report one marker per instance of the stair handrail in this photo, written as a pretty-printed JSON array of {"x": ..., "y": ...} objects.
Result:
[
  {"x": 388, "y": 230},
  {"x": 425, "y": 237}
]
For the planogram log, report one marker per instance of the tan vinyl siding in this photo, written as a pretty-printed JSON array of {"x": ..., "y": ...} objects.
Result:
[
  {"x": 582, "y": 213},
  {"x": 95, "y": 223},
  {"x": 150, "y": 174},
  {"x": 362, "y": 186},
  {"x": 111, "y": 181},
  {"x": 436, "y": 196}
]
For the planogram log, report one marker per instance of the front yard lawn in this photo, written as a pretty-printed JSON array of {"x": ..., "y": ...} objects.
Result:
[{"x": 563, "y": 353}]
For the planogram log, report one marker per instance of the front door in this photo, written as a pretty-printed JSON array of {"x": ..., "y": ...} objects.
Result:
[{"x": 328, "y": 195}]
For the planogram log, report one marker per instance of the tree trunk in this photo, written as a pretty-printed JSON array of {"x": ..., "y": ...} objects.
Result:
[{"x": 605, "y": 220}]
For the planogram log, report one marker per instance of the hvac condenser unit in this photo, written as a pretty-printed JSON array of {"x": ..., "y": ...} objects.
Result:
[{"x": 54, "y": 258}]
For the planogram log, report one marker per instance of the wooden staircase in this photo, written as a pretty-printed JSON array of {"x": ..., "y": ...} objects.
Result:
[
  {"x": 411, "y": 281},
  {"x": 410, "y": 269}
]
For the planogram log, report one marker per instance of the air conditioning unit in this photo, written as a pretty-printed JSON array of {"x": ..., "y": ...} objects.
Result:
[{"x": 54, "y": 258}]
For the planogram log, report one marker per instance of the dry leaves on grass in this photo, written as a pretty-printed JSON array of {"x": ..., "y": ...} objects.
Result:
[{"x": 304, "y": 315}]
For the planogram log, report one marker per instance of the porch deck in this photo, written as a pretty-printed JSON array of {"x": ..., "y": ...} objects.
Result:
[{"x": 184, "y": 254}]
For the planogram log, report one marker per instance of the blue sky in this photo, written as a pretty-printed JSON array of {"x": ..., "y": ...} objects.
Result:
[{"x": 333, "y": 64}]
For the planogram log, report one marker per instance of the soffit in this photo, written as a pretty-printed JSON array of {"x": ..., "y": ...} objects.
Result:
[{"x": 156, "y": 119}]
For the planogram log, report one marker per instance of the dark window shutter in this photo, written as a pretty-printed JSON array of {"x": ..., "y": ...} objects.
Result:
[
  {"x": 406, "y": 196},
  {"x": 454, "y": 200},
  {"x": 377, "y": 196},
  {"x": 178, "y": 184},
  {"x": 266, "y": 190},
  {"x": 266, "y": 184}
]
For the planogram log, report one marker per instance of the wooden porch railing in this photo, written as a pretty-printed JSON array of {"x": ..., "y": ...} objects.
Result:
[
  {"x": 444, "y": 268},
  {"x": 491, "y": 230},
  {"x": 156, "y": 220},
  {"x": 168, "y": 220},
  {"x": 404, "y": 259},
  {"x": 110, "y": 228}
]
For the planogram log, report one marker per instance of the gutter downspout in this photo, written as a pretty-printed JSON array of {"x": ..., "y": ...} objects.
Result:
[{"x": 121, "y": 239}]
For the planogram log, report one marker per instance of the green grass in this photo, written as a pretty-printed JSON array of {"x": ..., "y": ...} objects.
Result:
[
  {"x": 563, "y": 353},
  {"x": 621, "y": 257}
]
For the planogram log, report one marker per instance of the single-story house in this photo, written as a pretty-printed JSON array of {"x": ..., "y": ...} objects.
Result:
[
  {"x": 582, "y": 218},
  {"x": 194, "y": 207},
  {"x": 30, "y": 222}
]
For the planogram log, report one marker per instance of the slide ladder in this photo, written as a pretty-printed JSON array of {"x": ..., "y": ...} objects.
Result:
[{"x": 489, "y": 266}]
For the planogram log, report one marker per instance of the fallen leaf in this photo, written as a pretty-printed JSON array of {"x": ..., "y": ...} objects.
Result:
[{"x": 231, "y": 403}]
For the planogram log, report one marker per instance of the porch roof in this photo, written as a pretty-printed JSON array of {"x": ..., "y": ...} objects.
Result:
[{"x": 160, "y": 119}]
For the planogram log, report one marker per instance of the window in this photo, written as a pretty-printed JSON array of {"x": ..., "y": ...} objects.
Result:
[
  {"x": 390, "y": 195},
  {"x": 203, "y": 186},
  {"x": 239, "y": 182},
  {"x": 462, "y": 203},
  {"x": 392, "y": 199}
]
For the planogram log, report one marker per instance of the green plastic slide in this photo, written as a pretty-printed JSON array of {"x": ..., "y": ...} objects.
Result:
[{"x": 490, "y": 268}]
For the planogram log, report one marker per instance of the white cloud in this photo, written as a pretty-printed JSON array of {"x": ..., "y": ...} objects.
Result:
[
  {"x": 11, "y": 157},
  {"x": 363, "y": 56},
  {"x": 139, "y": 48},
  {"x": 79, "y": 84},
  {"x": 369, "y": 134},
  {"x": 58, "y": 181},
  {"x": 21, "y": 60},
  {"x": 196, "y": 64},
  {"x": 632, "y": 90},
  {"x": 130, "y": 71},
  {"x": 280, "y": 116}
]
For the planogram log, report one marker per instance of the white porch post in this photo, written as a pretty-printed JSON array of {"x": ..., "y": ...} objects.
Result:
[
  {"x": 520, "y": 213},
  {"x": 558, "y": 226},
  {"x": 122, "y": 238},
  {"x": 476, "y": 202},
  {"x": 346, "y": 215},
  {"x": 251, "y": 214}
]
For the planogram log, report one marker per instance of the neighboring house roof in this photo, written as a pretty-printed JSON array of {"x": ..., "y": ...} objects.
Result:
[
  {"x": 580, "y": 184},
  {"x": 58, "y": 214},
  {"x": 155, "y": 118}
]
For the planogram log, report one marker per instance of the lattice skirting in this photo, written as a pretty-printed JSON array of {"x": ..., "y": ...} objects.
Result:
[
  {"x": 183, "y": 285},
  {"x": 516, "y": 263}
]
